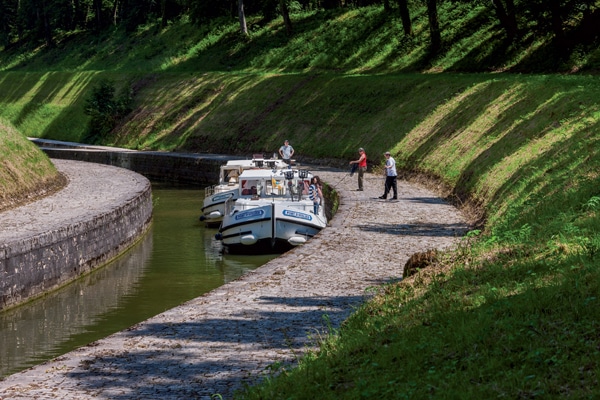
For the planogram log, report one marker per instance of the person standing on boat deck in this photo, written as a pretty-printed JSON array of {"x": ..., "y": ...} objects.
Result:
[
  {"x": 390, "y": 177},
  {"x": 286, "y": 152},
  {"x": 362, "y": 167},
  {"x": 315, "y": 193}
]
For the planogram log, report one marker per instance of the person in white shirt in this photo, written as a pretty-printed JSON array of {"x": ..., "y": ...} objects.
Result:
[
  {"x": 390, "y": 177},
  {"x": 286, "y": 152}
]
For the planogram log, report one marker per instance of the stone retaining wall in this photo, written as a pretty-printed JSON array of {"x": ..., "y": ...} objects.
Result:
[
  {"x": 185, "y": 168},
  {"x": 37, "y": 260}
]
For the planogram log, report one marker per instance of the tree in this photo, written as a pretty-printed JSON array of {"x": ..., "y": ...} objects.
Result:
[
  {"x": 434, "y": 26},
  {"x": 286, "y": 16},
  {"x": 386, "y": 6},
  {"x": 7, "y": 21},
  {"x": 106, "y": 109},
  {"x": 34, "y": 17},
  {"x": 242, "y": 17},
  {"x": 507, "y": 17},
  {"x": 555, "y": 16},
  {"x": 556, "y": 20},
  {"x": 97, "y": 7},
  {"x": 203, "y": 11},
  {"x": 405, "y": 17},
  {"x": 135, "y": 13}
]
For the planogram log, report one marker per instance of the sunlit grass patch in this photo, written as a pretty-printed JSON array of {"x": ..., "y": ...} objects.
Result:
[{"x": 24, "y": 168}]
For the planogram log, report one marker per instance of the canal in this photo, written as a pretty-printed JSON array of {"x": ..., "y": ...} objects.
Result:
[{"x": 177, "y": 260}]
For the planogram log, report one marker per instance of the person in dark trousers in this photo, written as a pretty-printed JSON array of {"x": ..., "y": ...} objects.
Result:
[
  {"x": 362, "y": 167},
  {"x": 390, "y": 177}
]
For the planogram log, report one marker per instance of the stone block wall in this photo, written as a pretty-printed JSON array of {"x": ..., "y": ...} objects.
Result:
[
  {"x": 35, "y": 265},
  {"x": 172, "y": 167}
]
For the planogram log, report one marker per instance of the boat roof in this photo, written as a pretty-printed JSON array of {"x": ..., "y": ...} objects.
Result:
[
  {"x": 255, "y": 162},
  {"x": 239, "y": 163},
  {"x": 262, "y": 173}
]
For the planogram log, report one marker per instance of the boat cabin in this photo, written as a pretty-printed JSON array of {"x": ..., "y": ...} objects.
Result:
[{"x": 269, "y": 183}]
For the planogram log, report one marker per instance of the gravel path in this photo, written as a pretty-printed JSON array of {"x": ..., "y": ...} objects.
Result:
[{"x": 230, "y": 336}]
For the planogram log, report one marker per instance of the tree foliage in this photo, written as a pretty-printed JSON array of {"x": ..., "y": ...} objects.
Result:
[
  {"x": 106, "y": 109},
  {"x": 39, "y": 21}
]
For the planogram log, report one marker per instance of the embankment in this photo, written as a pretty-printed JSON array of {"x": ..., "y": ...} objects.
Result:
[{"x": 48, "y": 243}]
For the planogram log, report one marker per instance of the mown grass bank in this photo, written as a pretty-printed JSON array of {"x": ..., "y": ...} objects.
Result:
[
  {"x": 25, "y": 171},
  {"x": 513, "y": 312}
]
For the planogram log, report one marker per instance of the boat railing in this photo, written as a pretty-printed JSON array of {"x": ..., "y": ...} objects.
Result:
[
  {"x": 209, "y": 190},
  {"x": 229, "y": 203}
]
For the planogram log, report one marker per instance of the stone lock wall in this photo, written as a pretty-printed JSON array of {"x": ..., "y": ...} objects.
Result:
[
  {"x": 31, "y": 265},
  {"x": 162, "y": 166}
]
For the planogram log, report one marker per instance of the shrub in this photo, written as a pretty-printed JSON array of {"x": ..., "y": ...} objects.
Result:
[{"x": 106, "y": 109}]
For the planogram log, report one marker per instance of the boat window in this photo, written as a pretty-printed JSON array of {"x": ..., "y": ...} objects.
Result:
[
  {"x": 268, "y": 188},
  {"x": 278, "y": 186},
  {"x": 249, "y": 186},
  {"x": 231, "y": 176}
]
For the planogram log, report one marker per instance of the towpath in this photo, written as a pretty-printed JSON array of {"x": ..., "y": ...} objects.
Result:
[{"x": 216, "y": 343}]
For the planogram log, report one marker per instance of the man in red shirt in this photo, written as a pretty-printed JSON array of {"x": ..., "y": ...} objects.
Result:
[{"x": 362, "y": 167}]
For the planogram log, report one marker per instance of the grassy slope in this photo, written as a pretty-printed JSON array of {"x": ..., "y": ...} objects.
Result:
[
  {"x": 514, "y": 311},
  {"x": 25, "y": 172}
]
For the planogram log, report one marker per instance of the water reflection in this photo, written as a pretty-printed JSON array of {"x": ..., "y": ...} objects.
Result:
[
  {"x": 231, "y": 266},
  {"x": 177, "y": 260},
  {"x": 34, "y": 330}
]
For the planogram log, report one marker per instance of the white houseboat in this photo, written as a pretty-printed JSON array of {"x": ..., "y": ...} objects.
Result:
[
  {"x": 228, "y": 186},
  {"x": 272, "y": 214}
]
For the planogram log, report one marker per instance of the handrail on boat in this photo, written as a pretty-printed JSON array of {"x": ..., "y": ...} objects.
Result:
[{"x": 209, "y": 190}]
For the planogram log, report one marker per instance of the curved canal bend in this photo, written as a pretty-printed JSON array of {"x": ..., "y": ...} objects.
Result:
[{"x": 177, "y": 260}]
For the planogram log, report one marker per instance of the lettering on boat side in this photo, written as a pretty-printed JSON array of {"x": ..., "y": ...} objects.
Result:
[
  {"x": 249, "y": 214},
  {"x": 296, "y": 214},
  {"x": 222, "y": 196}
]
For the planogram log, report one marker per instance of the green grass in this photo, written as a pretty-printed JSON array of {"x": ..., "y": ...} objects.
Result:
[
  {"x": 24, "y": 168},
  {"x": 513, "y": 312}
]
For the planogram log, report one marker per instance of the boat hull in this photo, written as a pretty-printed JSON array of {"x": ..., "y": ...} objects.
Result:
[
  {"x": 214, "y": 207},
  {"x": 270, "y": 227}
]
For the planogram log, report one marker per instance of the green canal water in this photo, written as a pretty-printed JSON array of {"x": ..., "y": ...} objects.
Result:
[{"x": 177, "y": 260}]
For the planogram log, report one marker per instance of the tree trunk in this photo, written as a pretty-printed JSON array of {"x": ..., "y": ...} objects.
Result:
[
  {"x": 286, "y": 17},
  {"x": 405, "y": 17},
  {"x": 556, "y": 21},
  {"x": 78, "y": 19},
  {"x": 115, "y": 12},
  {"x": 97, "y": 6},
  {"x": 386, "y": 6},
  {"x": 45, "y": 21},
  {"x": 163, "y": 13},
  {"x": 511, "y": 13},
  {"x": 506, "y": 16},
  {"x": 434, "y": 26},
  {"x": 242, "y": 17}
]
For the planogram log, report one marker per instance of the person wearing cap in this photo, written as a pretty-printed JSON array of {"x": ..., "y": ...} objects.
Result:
[
  {"x": 286, "y": 152},
  {"x": 362, "y": 167},
  {"x": 390, "y": 177}
]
